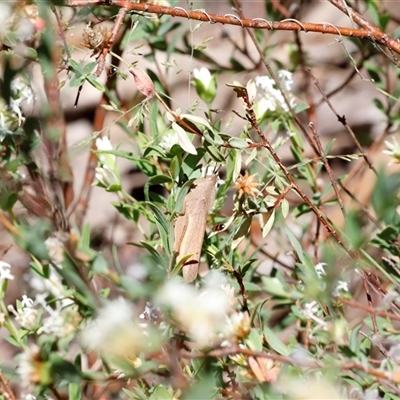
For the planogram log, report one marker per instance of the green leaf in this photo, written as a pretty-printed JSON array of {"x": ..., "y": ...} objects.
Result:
[
  {"x": 238, "y": 143},
  {"x": 270, "y": 223},
  {"x": 85, "y": 237},
  {"x": 242, "y": 231},
  {"x": 274, "y": 286},
  {"x": 87, "y": 69},
  {"x": 254, "y": 340},
  {"x": 285, "y": 208},
  {"x": 30, "y": 52},
  {"x": 137, "y": 394},
  {"x": 134, "y": 288},
  {"x": 143, "y": 165},
  {"x": 296, "y": 245},
  {"x": 75, "y": 66},
  {"x": 92, "y": 79},
  {"x": 251, "y": 287},
  {"x": 163, "y": 226},
  {"x": 64, "y": 369},
  {"x": 161, "y": 261},
  {"x": 214, "y": 153},
  {"x": 74, "y": 391},
  {"x": 160, "y": 393},
  {"x": 275, "y": 343},
  {"x": 183, "y": 139}
]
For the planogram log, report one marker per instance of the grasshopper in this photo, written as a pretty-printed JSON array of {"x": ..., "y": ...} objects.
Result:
[{"x": 190, "y": 226}]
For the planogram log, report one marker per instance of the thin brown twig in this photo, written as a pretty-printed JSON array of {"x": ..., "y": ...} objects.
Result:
[
  {"x": 369, "y": 309},
  {"x": 7, "y": 390},
  {"x": 362, "y": 207},
  {"x": 101, "y": 60},
  {"x": 352, "y": 74},
  {"x": 9, "y": 226},
  {"x": 243, "y": 293},
  {"x": 327, "y": 167},
  {"x": 360, "y": 166},
  {"x": 350, "y": 365},
  {"x": 61, "y": 32},
  {"x": 342, "y": 120},
  {"x": 370, "y": 32},
  {"x": 369, "y": 300}
]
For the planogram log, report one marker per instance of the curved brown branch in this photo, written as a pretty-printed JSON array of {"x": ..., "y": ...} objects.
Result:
[
  {"x": 101, "y": 60},
  {"x": 369, "y": 32}
]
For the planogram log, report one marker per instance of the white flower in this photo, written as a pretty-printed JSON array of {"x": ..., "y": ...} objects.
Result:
[
  {"x": 5, "y": 271},
  {"x": 310, "y": 309},
  {"x": 202, "y": 314},
  {"x": 104, "y": 144},
  {"x": 26, "y": 301},
  {"x": 269, "y": 97},
  {"x": 238, "y": 325},
  {"x": 393, "y": 150},
  {"x": 168, "y": 140},
  {"x": 203, "y": 75},
  {"x": 285, "y": 79},
  {"x": 11, "y": 116},
  {"x": 29, "y": 366},
  {"x": 320, "y": 270},
  {"x": 107, "y": 177},
  {"x": 22, "y": 91},
  {"x": 51, "y": 285},
  {"x": 251, "y": 90},
  {"x": 341, "y": 286},
  {"x": 116, "y": 332},
  {"x": 25, "y": 314},
  {"x": 62, "y": 320},
  {"x": 28, "y": 397},
  {"x": 107, "y": 173}
]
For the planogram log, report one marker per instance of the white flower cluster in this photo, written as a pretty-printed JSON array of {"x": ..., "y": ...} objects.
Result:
[
  {"x": 11, "y": 115},
  {"x": 26, "y": 314},
  {"x": 269, "y": 97},
  {"x": 117, "y": 333},
  {"x": 207, "y": 315}
]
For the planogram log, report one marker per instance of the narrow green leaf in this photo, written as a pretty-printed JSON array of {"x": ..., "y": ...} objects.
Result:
[
  {"x": 183, "y": 139},
  {"x": 285, "y": 208},
  {"x": 296, "y": 245},
  {"x": 275, "y": 343}
]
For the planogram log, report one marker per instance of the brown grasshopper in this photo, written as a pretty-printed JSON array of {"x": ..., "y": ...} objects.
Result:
[{"x": 190, "y": 226}]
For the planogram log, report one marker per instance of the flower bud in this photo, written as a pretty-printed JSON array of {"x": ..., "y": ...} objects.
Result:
[{"x": 205, "y": 83}]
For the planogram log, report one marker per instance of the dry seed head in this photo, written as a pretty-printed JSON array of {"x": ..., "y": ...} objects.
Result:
[
  {"x": 247, "y": 185},
  {"x": 96, "y": 38}
]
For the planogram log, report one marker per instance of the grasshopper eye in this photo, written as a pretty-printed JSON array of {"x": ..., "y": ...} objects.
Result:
[
  {"x": 218, "y": 227},
  {"x": 111, "y": 71}
]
